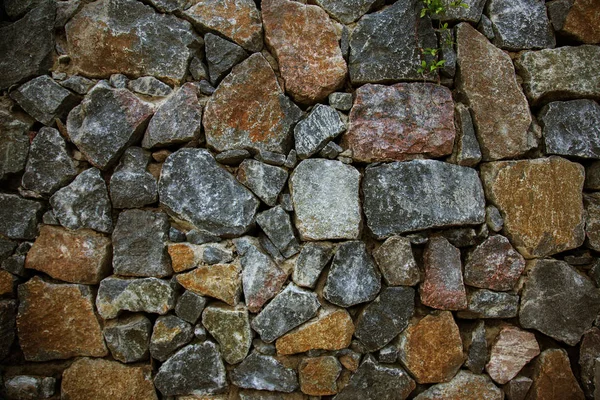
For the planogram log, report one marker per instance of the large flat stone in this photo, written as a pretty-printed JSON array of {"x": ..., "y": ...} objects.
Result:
[
  {"x": 512, "y": 349},
  {"x": 230, "y": 326},
  {"x": 221, "y": 281}
]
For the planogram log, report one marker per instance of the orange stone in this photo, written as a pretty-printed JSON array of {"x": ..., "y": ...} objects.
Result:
[
  {"x": 8, "y": 283},
  {"x": 318, "y": 375},
  {"x": 183, "y": 256},
  {"x": 221, "y": 281},
  {"x": 553, "y": 378},
  {"x": 583, "y": 21}
]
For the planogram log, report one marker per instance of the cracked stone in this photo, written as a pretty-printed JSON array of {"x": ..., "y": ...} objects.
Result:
[
  {"x": 310, "y": 263},
  {"x": 265, "y": 181},
  {"x": 78, "y": 84},
  {"x": 466, "y": 147},
  {"x": 190, "y": 306},
  {"x": 483, "y": 303},
  {"x": 475, "y": 346},
  {"x": 277, "y": 225},
  {"x": 464, "y": 386},
  {"x": 311, "y": 134},
  {"x": 221, "y": 56},
  {"x": 14, "y": 141},
  {"x": 149, "y": 86},
  {"x": 128, "y": 338}
]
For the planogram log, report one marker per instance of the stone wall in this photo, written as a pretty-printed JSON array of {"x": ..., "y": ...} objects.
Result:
[{"x": 276, "y": 199}]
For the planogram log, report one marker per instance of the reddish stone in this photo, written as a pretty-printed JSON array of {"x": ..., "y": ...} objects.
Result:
[
  {"x": 553, "y": 378},
  {"x": 401, "y": 122},
  {"x": 582, "y": 21},
  {"x": 304, "y": 40},
  {"x": 512, "y": 349},
  {"x": 318, "y": 375},
  {"x": 465, "y": 386},
  {"x": 221, "y": 281}
]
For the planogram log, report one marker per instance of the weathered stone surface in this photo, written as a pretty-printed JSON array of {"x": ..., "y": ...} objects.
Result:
[
  {"x": 592, "y": 176},
  {"x": 486, "y": 79},
  {"x": 25, "y": 387},
  {"x": 128, "y": 37},
  {"x": 572, "y": 128},
  {"x": 340, "y": 101},
  {"x": 384, "y": 46},
  {"x": 464, "y": 386},
  {"x": 553, "y": 378},
  {"x": 512, "y": 349},
  {"x": 576, "y": 19},
  {"x": 384, "y": 318},
  {"x": 221, "y": 281},
  {"x": 249, "y": 110},
  {"x": 475, "y": 347},
  {"x": 471, "y": 13},
  {"x": 231, "y": 328},
  {"x": 190, "y": 306},
  {"x": 221, "y": 56},
  {"x": 353, "y": 278},
  {"x": 169, "y": 334},
  {"x": 106, "y": 122},
  {"x": 304, "y": 40},
  {"x": 494, "y": 264},
  {"x": 560, "y": 74},
  {"x": 483, "y": 303},
  {"x": 318, "y": 375},
  {"x": 150, "y": 295},
  {"x": 589, "y": 352},
  {"x": 348, "y": 11},
  {"x": 541, "y": 203},
  {"x": 373, "y": 381},
  {"x": 431, "y": 348},
  {"x": 184, "y": 256},
  {"x": 312, "y": 259},
  {"x": 264, "y": 373},
  {"x": 81, "y": 256},
  {"x": 14, "y": 142},
  {"x": 232, "y": 157},
  {"x": 265, "y": 181},
  {"x": 8, "y": 318},
  {"x": 193, "y": 187},
  {"x": 400, "y": 122},
  {"x": 261, "y": 278},
  {"x": 128, "y": 338},
  {"x": 277, "y": 225},
  {"x": 19, "y": 217},
  {"x": 421, "y": 194},
  {"x": 326, "y": 200},
  {"x": 78, "y": 84},
  {"x": 332, "y": 329},
  {"x": 149, "y": 86},
  {"x": 322, "y": 125},
  {"x": 396, "y": 262},
  {"x": 57, "y": 321},
  {"x": 131, "y": 185},
  {"x": 8, "y": 284},
  {"x": 466, "y": 147},
  {"x": 517, "y": 388}
]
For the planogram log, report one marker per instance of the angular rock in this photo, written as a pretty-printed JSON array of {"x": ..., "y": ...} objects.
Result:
[
  {"x": 15, "y": 264},
  {"x": 221, "y": 56},
  {"x": 184, "y": 256},
  {"x": 305, "y": 43},
  {"x": 190, "y": 306},
  {"x": 14, "y": 141},
  {"x": 348, "y": 11},
  {"x": 8, "y": 320},
  {"x": 471, "y": 13},
  {"x": 589, "y": 352},
  {"x": 322, "y": 125},
  {"x": 277, "y": 225},
  {"x": 578, "y": 19},
  {"x": 517, "y": 388},
  {"x": 128, "y": 338},
  {"x": 193, "y": 187},
  {"x": 466, "y": 147},
  {"x": 149, "y": 86},
  {"x": 512, "y": 349},
  {"x": 388, "y": 354},
  {"x": 24, "y": 387},
  {"x": 553, "y": 378},
  {"x": 265, "y": 181},
  {"x": 261, "y": 278},
  {"x": 340, "y": 101},
  {"x": 312, "y": 259},
  {"x": 231, "y": 328},
  {"x": 464, "y": 386},
  {"x": 326, "y": 200},
  {"x": 150, "y": 295},
  {"x": 232, "y": 157},
  {"x": 493, "y": 219},
  {"x": 264, "y": 373},
  {"x": 8, "y": 284},
  {"x": 541, "y": 203},
  {"x": 483, "y": 303},
  {"x": 221, "y": 281},
  {"x": 400, "y": 122},
  {"x": 131, "y": 186},
  {"x": 475, "y": 347},
  {"x": 19, "y": 217},
  {"x": 318, "y": 375},
  {"x": 78, "y": 84},
  {"x": 57, "y": 321},
  {"x": 169, "y": 334},
  {"x": 487, "y": 81},
  {"x": 396, "y": 262},
  {"x": 249, "y": 110}
]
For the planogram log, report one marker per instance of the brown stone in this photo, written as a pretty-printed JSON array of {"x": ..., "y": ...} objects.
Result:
[
  {"x": 512, "y": 349},
  {"x": 57, "y": 321},
  {"x": 184, "y": 256},
  {"x": 540, "y": 201},
  {"x": 582, "y": 21},
  {"x": 592, "y": 220},
  {"x": 465, "y": 386},
  {"x": 330, "y": 330},
  {"x": 8, "y": 284},
  {"x": 553, "y": 378},
  {"x": 304, "y": 40},
  {"x": 487, "y": 81},
  {"x": 401, "y": 122},
  {"x": 350, "y": 361},
  {"x": 82, "y": 256},
  {"x": 318, "y": 375},
  {"x": 100, "y": 379},
  {"x": 221, "y": 281},
  {"x": 431, "y": 348}
]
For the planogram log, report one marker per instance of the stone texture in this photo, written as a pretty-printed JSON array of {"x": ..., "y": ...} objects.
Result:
[
  {"x": 276, "y": 224},
  {"x": 19, "y": 217},
  {"x": 541, "y": 203},
  {"x": 265, "y": 181},
  {"x": 553, "y": 378},
  {"x": 326, "y": 200},
  {"x": 221, "y": 56},
  {"x": 128, "y": 338},
  {"x": 483, "y": 303},
  {"x": 8, "y": 284},
  {"x": 264, "y": 373},
  {"x": 169, "y": 334},
  {"x": 14, "y": 142},
  {"x": 194, "y": 188},
  {"x": 304, "y": 40},
  {"x": 400, "y": 122},
  {"x": 576, "y": 19},
  {"x": 231, "y": 328},
  {"x": 78, "y": 84},
  {"x": 57, "y": 321},
  {"x": 517, "y": 388},
  {"x": 149, "y": 86},
  {"x": 318, "y": 375},
  {"x": 312, "y": 259},
  {"x": 322, "y": 125},
  {"x": 81, "y": 256},
  {"x": 131, "y": 185},
  {"x": 466, "y": 147},
  {"x": 475, "y": 348},
  {"x": 190, "y": 306},
  {"x": 486, "y": 79},
  {"x": 8, "y": 319},
  {"x": 396, "y": 262},
  {"x": 512, "y": 349},
  {"x": 348, "y": 11},
  {"x": 589, "y": 352},
  {"x": 471, "y": 13},
  {"x": 261, "y": 278},
  {"x": 464, "y": 386},
  {"x": 26, "y": 387},
  {"x": 221, "y": 281},
  {"x": 340, "y": 101}
]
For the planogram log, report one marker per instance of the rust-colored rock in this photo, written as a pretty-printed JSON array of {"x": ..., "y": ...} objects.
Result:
[
  {"x": 57, "y": 321},
  {"x": 540, "y": 201},
  {"x": 330, "y": 330},
  {"x": 401, "y": 122},
  {"x": 513, "y": 348},
  {"x": 101, "y": 379},
  {"x": 553, "y": 378},
  {"x": 431, "y": 348},
  {"x": 183, "y": 256},
  {"x": 221, "y": 281},
  {"x": 82, "y": 256},
  {"x": 581, "y": 22},
  {"x": 8, "y": 283},
  {"x": 303, "y": 39},
  {"x": 318, "y": 375}
]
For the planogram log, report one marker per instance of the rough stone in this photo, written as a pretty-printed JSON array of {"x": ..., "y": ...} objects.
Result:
[
  {"x": 264, "y": 373},
  {"x": 272, "y": 158},
  {"x": 19, "y": 217},
  {"x": 512, "y": 349},
  {"x": 169, "y": 334},
  {"x": 221, "y": 56},
  {"x": 553, "y": 378},
  {"x": 487, "y": 81},
  {"x": 517, "y": 388},
  {"x": 190, "y": 306},
  {"x": 27, "y": 387},
  {"x": 15, "y": 264},
  {"x": 221, "y": 281},
  {"x": 232, "y": 157},
  {"x": 310, "y": 263},
  {"x": 8, "y": 318},
  {"x": 471, "y": 13},
  {"x": 78, "y": 84},
  {"x": 322, "y": 125},
  {"x": 340, "y": 101},
  {"x": 184, "y": 256},
  {"x": 277, "y": 225},
  {"x": 388, "y": 354},
  {"x": 128, "y": 338},
  {"x": 14, "y": 142},
  {"x": 576, "y": 19},
  {"x": 318, "y": 375},
  {"x": 8, "y": 284},
  {"x": 149, "y": 86},
  {"x": 261, "y": 278},
  {"x": 475, "y": 347},
  {"x": 483, "y": 303},
  {"x": 589, "y": 352},
  {"x": 265, "y": 181},
  {"x": 131, "y": 185},
  {"x": 464, "y": 386},
  {"x": 494, "y": 219},
  {"x": 231, "y": 328},
  {"x": 466, "y": 147},
  {"x": 396, "y": 262},
  {"x": 348, "y": 11}
]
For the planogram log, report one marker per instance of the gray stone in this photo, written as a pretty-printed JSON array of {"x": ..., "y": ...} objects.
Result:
[
  {"x": 221, "y": 56},
  {"x": 271, "y": 157},
  {"x": 285, "y": 201},
  {"x": 348, "y": 11},
  {"x": 197, "y": 236},
  {"x": 289, "y": 309},
  {"x": 340, "y": 101},
  {"x": 84, "y": 203},
  {"x": 396, "y": 262},
  {"x": 230, "y": 326},
  {"x": 384, "y": 318},
  {"x": 17, "y": 8},
  {"x": 291, "y": 160},
  {"x": 483, "y": 303},
  {"x": 14, "y": 142},
  {"x": 169, "y": 334},
  {"x": 150, "y": 295},
  {"x": 195, "y": 188},
  {"x": 353, "y": 278},
  {"x": 265, "y": 181},
  {"x": 270, "y": 248},
  {"x": 310, "y": 263},
  {"x": 78, "y": 84},
  {"x": 200, "y": 332},
  {"x": 471, "y": 13},
  {"x": 15, "y": 264},
  {"x": 44, "y": 99},
  {"x": 232, "y": 157},
  {"x": 24, "y": 387},
  {"x": 197, "y": 369},
  {"x": 261, "y": 347},
  {"x": 494, "y": 219},
  {"x": 131, "y": 186},
  {"x": 485, "y": 28},
  {"x": 558, "y": 301},
  {"x": 262, "y": 372},
  {"x": 118, "y": 81},
  {"x": 19, "y": 217},
  {"x": 410, "y": 196},
  {"x": 589, "y": 352},
  {"x": 311, "y": 134},
  {"x": 169, "y": 6},
  {"x": 107, "y": 122},
  {"x": 592, "y": 176},
  {"x": 388, "y": 354},
  {"x": 149, "y": 86},
  {"x": 277, "y": 225},
  {"x": 326, "y": 200},
  {"x": 198, "y": 69},
  {"x": 217, "y": 254},
  {"x": 474, "y": 346},
  {"x": 465, "y": 386},
  {"x": 176, "y": 236},
  {"x": 466, "y": 147},
  {"x": 517, "y": 388},
  {"x": 128, "y": 338},
  {"x": 261, "y": 277},
  {"x": 205, "y": 88},
  {"x": 190, "y": 306},
  {"x": 7, "y": 247},
  {"x": 8, "y": 322}
]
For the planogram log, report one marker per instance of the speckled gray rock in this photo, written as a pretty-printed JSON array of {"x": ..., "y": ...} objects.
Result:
[
  {"x": 149, "y": 86},
  {"x": 196, "y": 369},
  {"x": 8, "y": 317},
  {"x": 277, "y": 225},
  {"x": 230, "y": 326},
  {"x": 572, "y": 128},
  {"x": 483, "y": 303},
  {"x": 169, "y": 334},
  {"x": 195, "y": 188},
  {"x": 474, "y": 346},
  {"x": 348, "y": 11},
  {"x": 261, "y": 277},
  {"x": 311, "y": 261},
  {"x": 169, "y": 6},
  {"x": 388, "y": 354},
  {"x": 127, "y": 338},
  {"x": 25, "y": 387},
  {"x": 19, "y": 217},
  {"x": 465, "y": 386},
  {"x": 221, "y": 56},
  {"x": 15, "y": 264},
  {"x": 7, "y": 247},
  {"x": 131, "y": 185},
  {"x": 410, "y": 196},
  {"x": 266, "y": 181},
  {"x": 558, "y": 301},
  {"x": 232, "y": 157},
  {"x": 149, "y": 295},
  {"x": 107, "y": 122},
  {"x": 353, "y": 277},
  {"x": 319, "y": 127},
  {"x": 84, "y": 203},
  {"x": 190, "y": 306},
  {"x": 494, "y": 219},
  {"x": 49, "y": 166},
  {"x": 485, "y": 28},
  {"x": 471, "y": 13},
  {"x": 118, "y": 81},
  {"x": 326, "y": 200},
  {"x": 340, "y": 101},
  {"x": 14, "y": 142},
  {"x": 466, "y": 147},
  {"x": 78, "y": 84},
  {"x": 264, "y": 373},
  {"x": 396, "y": 262}
]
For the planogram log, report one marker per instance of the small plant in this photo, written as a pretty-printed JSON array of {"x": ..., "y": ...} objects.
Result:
[
  {"x": 438, "y": 7},
  {"x": 431, "y": 66}
]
